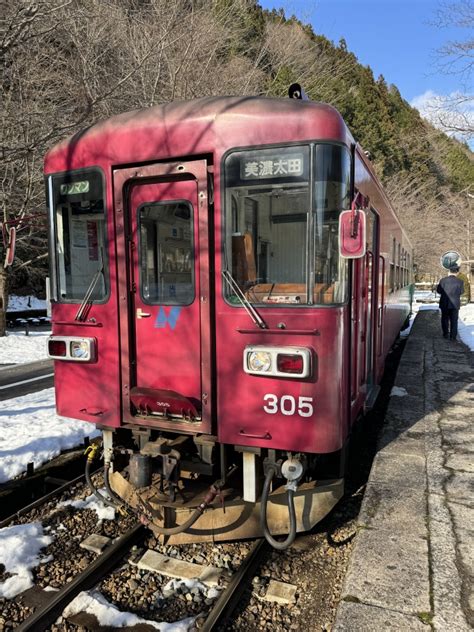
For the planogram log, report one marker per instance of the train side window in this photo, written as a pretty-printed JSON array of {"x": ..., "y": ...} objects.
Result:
[
  {"x": 399, "y": 281},
  {"x": 166, "y": 253},
  {"x": 80, "y": 236},
  {"x": 392, "y": 267}
]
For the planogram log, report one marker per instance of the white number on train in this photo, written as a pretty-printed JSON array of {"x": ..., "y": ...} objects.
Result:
[{"x": 287, "y": 405}]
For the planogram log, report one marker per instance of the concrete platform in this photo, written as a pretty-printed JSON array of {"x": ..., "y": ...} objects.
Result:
[{"x": 412, "y": 566}]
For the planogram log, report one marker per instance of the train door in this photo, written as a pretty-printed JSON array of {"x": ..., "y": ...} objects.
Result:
[
  {"x": 363, "y": 317},
  {"x": 380, "y": 310},
  {"x": 164, "y": 295},
  {"x": 371, "y": 302},
  {"x": 357, "y": 332}
]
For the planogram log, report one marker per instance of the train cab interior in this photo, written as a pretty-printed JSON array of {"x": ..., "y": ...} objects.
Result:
[
  {"x": 81, "y": 238},
  {"x": 271, "y": 229}
]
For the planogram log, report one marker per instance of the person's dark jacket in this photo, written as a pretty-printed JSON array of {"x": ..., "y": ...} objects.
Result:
[{"x": 450, "y": 289}]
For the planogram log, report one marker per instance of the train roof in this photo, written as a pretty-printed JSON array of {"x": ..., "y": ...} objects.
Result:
[{"x": 206, "y": 125}]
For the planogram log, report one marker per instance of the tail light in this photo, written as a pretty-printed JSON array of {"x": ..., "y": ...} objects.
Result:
[
  {"x": 56, "y": 348},
  {"x": 287, "y": 363},
  {"x": 72, "y": 348},
  {"x": 293, "y": 362}
]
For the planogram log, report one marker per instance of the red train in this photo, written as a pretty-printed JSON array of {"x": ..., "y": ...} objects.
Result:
[{"x": 214, "y": 311}]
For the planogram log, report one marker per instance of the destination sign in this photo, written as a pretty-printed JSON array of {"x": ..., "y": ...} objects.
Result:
[
  {"x": 257, "y": 168},
  {"x": 74, "y": 188}
]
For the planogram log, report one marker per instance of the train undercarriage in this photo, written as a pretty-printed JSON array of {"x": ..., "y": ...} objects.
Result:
[{"x": 192, "y": 489}]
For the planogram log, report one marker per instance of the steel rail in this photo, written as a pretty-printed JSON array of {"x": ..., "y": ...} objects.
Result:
[
  {"x": 30, "y": 379},
  {"x": 43, "y": 499},
  {"x": 39, "y": 501},
  {"x": 48, "y": 613},
  {"x": 230, "y": 597}
]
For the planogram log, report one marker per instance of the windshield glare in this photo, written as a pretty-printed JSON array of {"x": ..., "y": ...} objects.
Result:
[{"x": 281, "y": 241}]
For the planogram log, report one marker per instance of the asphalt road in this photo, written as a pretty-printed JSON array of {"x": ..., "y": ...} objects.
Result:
[{"x": 21, "y": 379}]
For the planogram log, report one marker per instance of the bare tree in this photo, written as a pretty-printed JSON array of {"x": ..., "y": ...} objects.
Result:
[
  {"x": 455, "y": 112},
  {"x": 289, "y": 51},
  {"x": 66, "y": 63}
]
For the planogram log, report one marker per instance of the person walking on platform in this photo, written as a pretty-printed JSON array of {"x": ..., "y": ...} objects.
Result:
[{"x": 450, "y": 289}]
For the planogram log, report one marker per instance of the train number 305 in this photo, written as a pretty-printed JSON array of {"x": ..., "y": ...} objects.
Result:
[{"x": 288, "y": 405}]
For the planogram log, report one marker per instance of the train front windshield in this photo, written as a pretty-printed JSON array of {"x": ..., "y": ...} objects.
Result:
[
  {"x": 282, "y": 209},
  {"x": 79, "y": 254}
]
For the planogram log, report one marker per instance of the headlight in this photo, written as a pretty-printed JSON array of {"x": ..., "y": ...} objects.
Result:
[
  {"x": 288, "y": 362},
  {"x": 80, "y": 349},
  {"x": 72, "y": 348},
  {"x": 260, "y": 361}
]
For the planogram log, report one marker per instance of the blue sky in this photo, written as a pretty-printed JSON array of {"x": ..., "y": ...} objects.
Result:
[{"x": 394, "y": 37}]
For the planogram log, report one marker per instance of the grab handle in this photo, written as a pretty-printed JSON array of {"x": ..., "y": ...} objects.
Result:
[
  {"x": 93, "y": 413},
  {"x": 267, "y": 435}
]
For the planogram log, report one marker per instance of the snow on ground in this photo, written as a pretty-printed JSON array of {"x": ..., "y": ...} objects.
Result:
[
  {"x": 19, "y": 553},
  {"x": 173, "y": 586},
  {"x": 93, "y": 602},
  {"x": 32, "y": 432},
  {"x": 425, "y": 296},
  {"x": 16, "y": 348},
  {"x": 466, "y": 325},
  {"x": 398, "y": 391},
  {"x": 91, "y": 502},
  {"x": 23, "y": 303}
]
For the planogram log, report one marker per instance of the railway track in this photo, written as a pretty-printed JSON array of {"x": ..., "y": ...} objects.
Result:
[
  {"x": 239, "y": 604},
  {"x": 228, "y": 600},
  {"x": 47, "y": 614},
  {"x": 49, "y": 606},
  {"x": 37, "y": 486},
  {"x": 222, "y": 610},
  {"x": 315, "y": 564}
]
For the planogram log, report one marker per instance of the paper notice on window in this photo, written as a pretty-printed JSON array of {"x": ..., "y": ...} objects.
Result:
[
  {"x": 93, "y": 241},
  {"x": 78, "y": 233}
]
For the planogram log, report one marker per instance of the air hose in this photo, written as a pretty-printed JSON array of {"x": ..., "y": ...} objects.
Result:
[
  {"x": 116, "y": 499},
  {"x": 277, "y": 544},
  {"x": 117, "y": 503},
  {"x": 91, "y": 453},
  {"x": 214, "y": 490}
]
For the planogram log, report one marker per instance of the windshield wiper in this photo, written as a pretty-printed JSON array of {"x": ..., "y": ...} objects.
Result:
[
  {"x": 249, "y": 308},
  {"x": 81, "y": 312}
]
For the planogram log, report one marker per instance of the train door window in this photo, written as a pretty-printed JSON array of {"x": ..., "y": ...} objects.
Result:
[
  {"x": 78, "y": 213},
  {"x": 166, "y": 253}
]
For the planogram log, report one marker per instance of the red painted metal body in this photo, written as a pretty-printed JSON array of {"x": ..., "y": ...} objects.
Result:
[{"x": 174, "y": 153}]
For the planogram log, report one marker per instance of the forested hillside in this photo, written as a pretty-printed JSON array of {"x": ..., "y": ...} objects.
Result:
[{"x": 68, "y": 63}]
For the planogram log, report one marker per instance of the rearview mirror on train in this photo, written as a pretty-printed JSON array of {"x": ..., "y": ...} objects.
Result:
[{"x": 352, "y": 232}]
